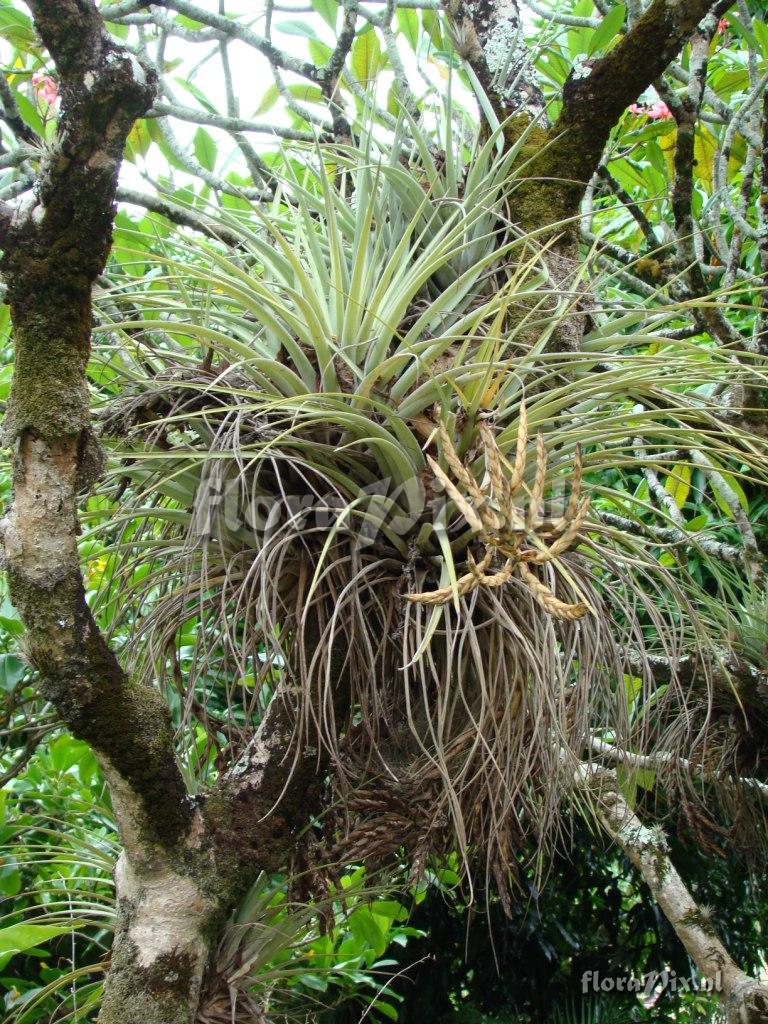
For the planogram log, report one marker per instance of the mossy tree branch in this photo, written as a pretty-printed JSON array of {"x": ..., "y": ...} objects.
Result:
[
  {"x": 596, "y": 95},
  {"x": 55, "y": 245},
  {"x": 184, "y": 863},
  {"x": 745, "y": 999}
]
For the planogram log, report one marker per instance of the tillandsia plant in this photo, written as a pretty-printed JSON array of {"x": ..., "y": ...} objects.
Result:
[{"x": 363, "y": 469}]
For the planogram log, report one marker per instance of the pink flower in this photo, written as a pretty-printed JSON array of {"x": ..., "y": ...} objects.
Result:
[
  {"x": 46, "y": 88},
  {"x": 722, "y": 25},
  {"x": 659, "y": 111}
]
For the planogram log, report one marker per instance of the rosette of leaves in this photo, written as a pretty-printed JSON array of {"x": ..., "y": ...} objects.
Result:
[{"x": 355, "y": 468}]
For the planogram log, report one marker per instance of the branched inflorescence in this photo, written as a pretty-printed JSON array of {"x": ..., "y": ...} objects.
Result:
[{"x": 521, "y": 538}]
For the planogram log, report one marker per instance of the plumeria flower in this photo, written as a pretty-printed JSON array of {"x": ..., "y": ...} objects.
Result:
[
  {"x": 659, "y": 111},
  {"x": 46, "y": 88}
]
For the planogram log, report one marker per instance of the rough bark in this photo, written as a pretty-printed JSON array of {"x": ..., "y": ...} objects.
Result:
[
  {"x": 55, "y": 245},
  {"x": 488, "y": 36},
  {"x": 161, "y": 948},
  {"x": 595, "y": 96},
  {"x": 745, "y": 999}
]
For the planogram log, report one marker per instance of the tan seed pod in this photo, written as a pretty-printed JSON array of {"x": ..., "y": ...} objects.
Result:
[
  {"x": 571, "y": 534},
  {"x": 498, "y": 579},
  {"x": 493, "y": 462},
  {"x": 574, "y": 498},
  {"x": 457, "y": 467},
  {"x": 552, "y": 605},
  {"x": 539, "y": 482},
  {"x": 469, "y": 513}
]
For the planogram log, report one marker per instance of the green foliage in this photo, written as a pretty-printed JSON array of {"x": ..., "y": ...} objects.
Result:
[
  {"x": 58, "y": 853},
  {"x": 57, "y": 906},
  {"x": 529, "y": 964}
]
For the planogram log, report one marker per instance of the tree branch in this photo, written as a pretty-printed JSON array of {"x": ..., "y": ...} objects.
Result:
[
  {"x": 55, "y": 246},
  {"x": 179, "y": 215},
  {"x": 595, "y": 97},
  {"x": 746, "y": 999},
  {"x": 233, "y": 30},
  {"x": 13, "y": 118},
  {"x": 488, "y": 35},
  {"x": 227, "y": 124}
]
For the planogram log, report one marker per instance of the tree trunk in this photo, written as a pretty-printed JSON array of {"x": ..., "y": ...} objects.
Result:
[{"x": 161, "y": 948}]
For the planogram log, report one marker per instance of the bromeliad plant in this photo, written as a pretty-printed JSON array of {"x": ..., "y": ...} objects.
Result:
[{"x": 325, "y": 455}]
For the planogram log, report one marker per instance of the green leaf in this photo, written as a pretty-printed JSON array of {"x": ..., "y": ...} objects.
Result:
[
  {"x": 306, "y": 93},
  {"x": 387, "y": 1009},
  {"x": 65, "y": 752},
  {"x": 608, "y": 29},
  {"x": 678, "y": 484},
  {"x": 269, "y": 98},
  {"x": 656, "y": 156},
  {"x": 199, "y": 95},
  {"x": 705, "y": 149},
  {"x": 737, "y": 27},
  {"x": 314, "y": 981},
  {"x": 698, "y": 522},
  {"x": 627, "y": 780},
  {"x": 17, "y": 28},
  {"x": 725, "y": 83},
  {"x": 366, "y": 931},
  {"x": 19, "y": 938},
  {"x": 29, "y": 112},
  {"x": 366, "y": 56},
  {"x": 761, "y": 32},
  {"x": 578, "y": 38},
  {"x": 431, "y": 23},
  {"x": 722, "y": 498},
  {"x": 139, "y": 140},
  {"x": 408, "y": 25},
  {"x": 390, "y": 909},
  {"x": 394, "y": 106},
  {"x": 319, "y": 52},
  {"x": 328, "y": 11},
  {"x": 205, "y": 149},
  {"x": 12, "y": 671},
  {"x": 294, "y": 27},
  {"x": 10, "y": 877}
]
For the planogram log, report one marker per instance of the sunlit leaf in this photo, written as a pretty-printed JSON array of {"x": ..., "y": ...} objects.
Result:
[
  {"x": 328, "y": 11},
  {"x": 678, "y": 484},
  {"x": 205, "y": 149},
  {"x": 408, "y": 24},
  {"x": 366, "y": 56},
  {"x": 608, "y": 29}
]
